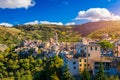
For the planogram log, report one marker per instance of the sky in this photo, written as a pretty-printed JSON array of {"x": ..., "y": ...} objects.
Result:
[{"x": 59, "y": 12}]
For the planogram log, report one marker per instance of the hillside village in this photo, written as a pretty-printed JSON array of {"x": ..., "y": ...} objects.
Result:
[
  {"x": 79, "y": 53},
  {"x": 85, "y": 54}
]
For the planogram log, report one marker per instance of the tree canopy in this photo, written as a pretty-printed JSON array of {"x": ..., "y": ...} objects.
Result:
[{"x": 105, "y": 44}]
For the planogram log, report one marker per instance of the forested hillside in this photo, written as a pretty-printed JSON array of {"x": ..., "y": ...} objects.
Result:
[
  {"x": 10, "y": 35},
  {"x": 112, "y": 31},
  {"x": 41, "y": 32},
  {"x": 44, "y": 32}
]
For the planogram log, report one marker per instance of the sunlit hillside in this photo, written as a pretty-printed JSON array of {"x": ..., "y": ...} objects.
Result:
[
  {"x": 10, "y": 35},
  {"x": 112, "y": 31},
  {"x": 88, "y": 28},
  {"x": 40, "y": 32}
]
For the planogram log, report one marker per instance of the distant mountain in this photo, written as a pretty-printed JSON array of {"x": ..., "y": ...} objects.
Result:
[{"x": 90, "y": 27}]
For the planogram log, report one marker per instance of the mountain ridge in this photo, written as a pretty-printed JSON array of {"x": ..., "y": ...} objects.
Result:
[{"x": 87, "y": 28}]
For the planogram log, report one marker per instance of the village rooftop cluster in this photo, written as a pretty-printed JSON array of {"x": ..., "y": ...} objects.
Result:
[{"x": 85, "y": 54}]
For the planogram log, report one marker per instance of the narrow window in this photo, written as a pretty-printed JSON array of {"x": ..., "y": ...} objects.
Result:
[
  {"x": 80, "y": 60},
  {"x": 91, "y": 48},
  {"x": 74, "y": 67},
  {"x": 95, "y": 48},
  {"x": 84, "y": 60},
  {"x": 88, "y": 55},
  {"x": 74, "y": 62}
]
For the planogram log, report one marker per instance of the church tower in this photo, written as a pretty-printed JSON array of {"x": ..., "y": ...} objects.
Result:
[{"x": 56, "y": 37}]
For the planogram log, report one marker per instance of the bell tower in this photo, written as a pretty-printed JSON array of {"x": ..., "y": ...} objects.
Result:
[{"x": 56, "y": 37}]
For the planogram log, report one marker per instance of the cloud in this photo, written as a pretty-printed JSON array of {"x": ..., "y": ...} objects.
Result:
[
  {"x": 43, "y": 22},
  {"x": 47, "y": 22},
  {"x": 97, "y": 14},
  {"x": 12, "y": 4},
  {"x": 6, "y": 24},
  {"x": 71, "y": 23},
  {"x": 32, "y": 23}
]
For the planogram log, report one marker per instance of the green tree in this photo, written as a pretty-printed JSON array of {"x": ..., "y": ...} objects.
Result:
[
  {"x": 114, "y": 78},
  {"x": 1, "y": 76},
  {"x": 66, "y": 75},
  {"x": 54, "y": 77},
  {"x": 100, "y": 74},
  {"x": 11, "y": 74},
  {"x": 105, "y": 44},
  {"x": 50, "y": 70},
  {"x": 17, "y": 75},
  {"x": 25, "y": 77},
  {"x": 85, "y": 75}
]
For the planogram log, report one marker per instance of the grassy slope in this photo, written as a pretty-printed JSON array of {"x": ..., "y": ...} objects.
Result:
[{"x": 10, "y": 36}]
